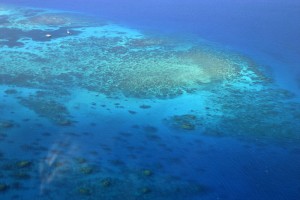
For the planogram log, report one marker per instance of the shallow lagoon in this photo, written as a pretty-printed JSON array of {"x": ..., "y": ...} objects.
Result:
[{"x": 100, "y": 110}]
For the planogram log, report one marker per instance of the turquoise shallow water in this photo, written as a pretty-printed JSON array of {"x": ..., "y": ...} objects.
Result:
[{"x": 92, "y": 109}]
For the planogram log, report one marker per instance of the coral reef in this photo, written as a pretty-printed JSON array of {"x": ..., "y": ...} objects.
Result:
[
  {"x": 7, "y": 124},
  {"x": 145, "y": 190},
  {"x": 246, "y": 115},
  {"x": 48, "y": 107},
  {"x": 221, "y": 94},
  {"x": 113, "y": 65},
  {"x": 84, "y": 191},
  {"x": 3, "y": 187},
  {"x": 11, "y": 91},
  {"x": 106, "y": 182},
  {"x": 87, "y": 170},
  {"x": 150, "y": 129},
  {"x": 145, "y": 106},
  {"x": 49, "y": 19},
  {"x": 188, "y": 122},
  {"x": 24, "y": 164},
  {"x": 147, "y": 172},
  {"x": 80, "y": 160}
]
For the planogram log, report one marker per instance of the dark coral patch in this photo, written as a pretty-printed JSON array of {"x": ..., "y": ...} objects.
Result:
[
  {"x": 7, "y": 124},
  {"x": 3, "y": 187},
  {"x": 132, "y": 112},
  {"x": 144, "y": 106},
  {"x": 150, "y": 129},
  {"x": 11, "y": 36},
  {"x": 49, "y": 108},
  {"x": 186, "y": 122},
  {"x": 11, "y": 91}
]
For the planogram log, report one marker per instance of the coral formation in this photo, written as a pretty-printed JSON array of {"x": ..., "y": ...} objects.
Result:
[
  {"x": 11, "y": 91},
  {"x": 145, "y": 190},
  {"x": 49, "y": 108},
  {"x": 80, "y": 160},
  {"x": 147, "y": 172},
  {"x": 6, "y": 124},
  {"x": 145, "y": 106},
  {"x": 87, "y": 170},
  {"x": 64, "y": 122},
  {"x": 107, "y": 182},
  {"x": 246, "y": 115},
  {"x": 186, "y": 122},
  {"x": 3, "y": 187},
  {"x": 236, "y": 99},
  {"x": 150, "y": 129},
  {"x": 24, "y": 164},
  {"x": 141, "y": 67},
  {"x": 49, "y": 19},
  {"x": 84, "y": 191}
]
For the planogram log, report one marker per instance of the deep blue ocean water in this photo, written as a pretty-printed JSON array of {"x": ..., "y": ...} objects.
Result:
[{"x": 150, "y": 99}]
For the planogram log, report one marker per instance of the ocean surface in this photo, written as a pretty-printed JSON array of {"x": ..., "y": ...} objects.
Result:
[{"x": 150, "y": 100}]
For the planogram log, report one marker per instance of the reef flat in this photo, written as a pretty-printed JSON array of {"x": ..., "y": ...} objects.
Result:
[
  {"x": 110, "y": 59},
  {"x": 109, "y": 112}
]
